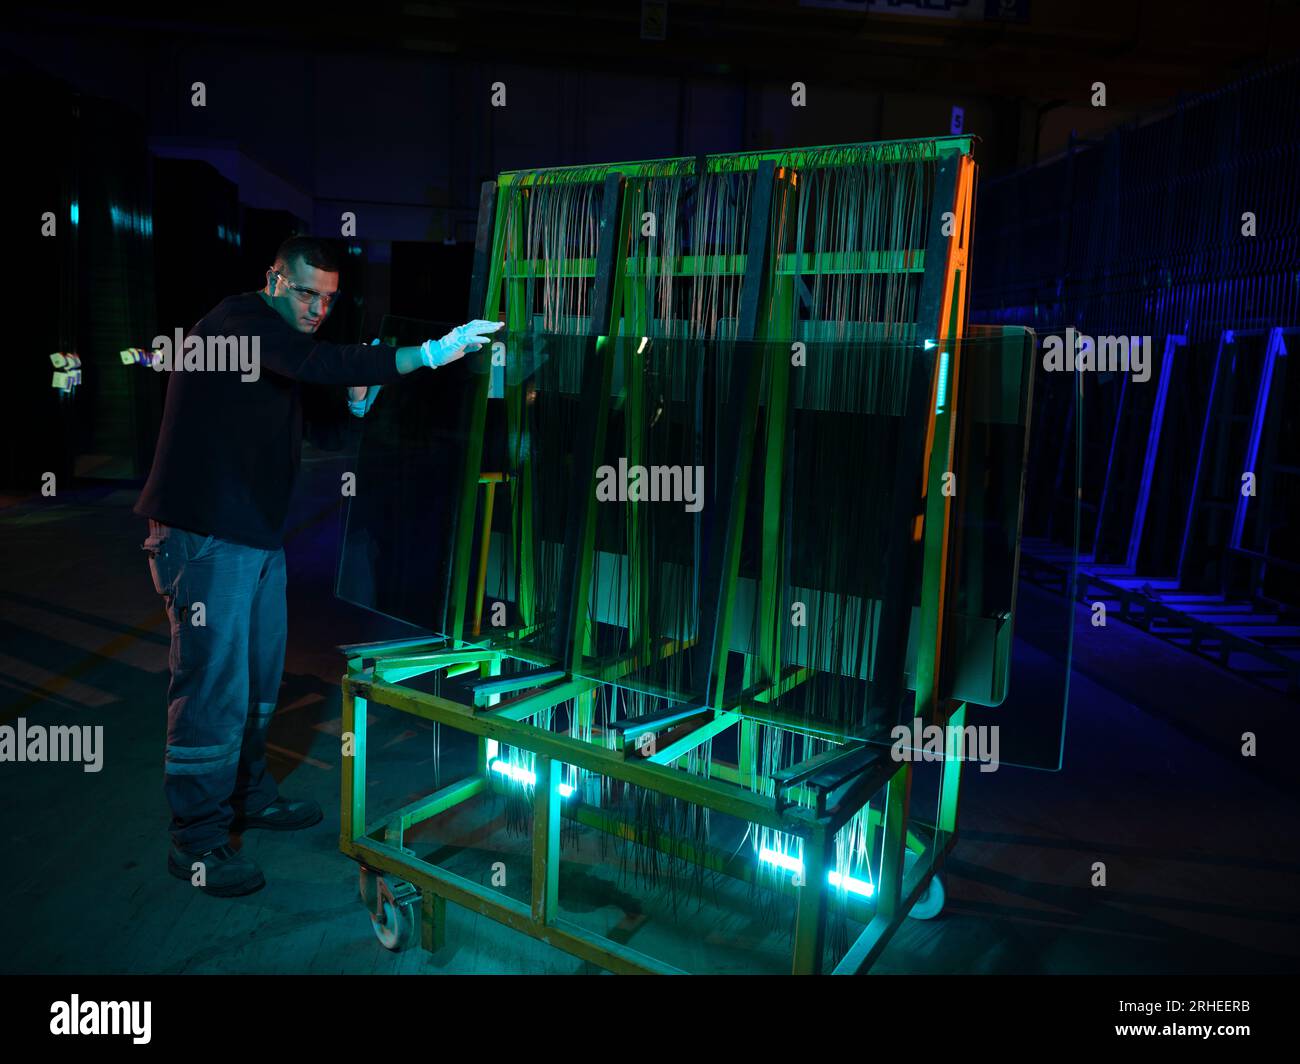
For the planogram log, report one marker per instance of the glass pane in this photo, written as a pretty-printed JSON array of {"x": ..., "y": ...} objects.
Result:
[
  {"x": 830, "y": 510},
  {"x": 396, "y": 556},
  {"x": 1033, "y": 640},
  {"x": 618, "y": 466},
  {"x": 396, "y": 539}
]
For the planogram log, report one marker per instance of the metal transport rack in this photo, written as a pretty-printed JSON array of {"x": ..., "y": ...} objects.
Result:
[{"x": 723, "y": 668}]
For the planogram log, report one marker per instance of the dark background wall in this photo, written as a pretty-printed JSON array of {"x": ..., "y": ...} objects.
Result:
[{"x": 385, "y": 111}]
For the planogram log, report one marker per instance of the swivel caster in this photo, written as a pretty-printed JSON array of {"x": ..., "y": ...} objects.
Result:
[
  {"x": 395, "y": 928},
  {"x": 394, "y": 910},
  {"x": 930, "y": 903}
]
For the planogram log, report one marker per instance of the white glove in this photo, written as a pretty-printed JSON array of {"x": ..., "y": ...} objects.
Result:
[
  {"x": 361, "y": 407},
  {"x": 464, "y": 338}
]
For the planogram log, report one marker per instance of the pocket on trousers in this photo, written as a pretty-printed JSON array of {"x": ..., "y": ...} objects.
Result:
[
  {"x": 196, "y": 546},
  {"x": 164, "y": 569},
  {"x": 170, "y": 550}
]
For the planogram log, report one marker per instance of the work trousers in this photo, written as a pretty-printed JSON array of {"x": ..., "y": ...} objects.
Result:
[{"x": 226, "y": 605}]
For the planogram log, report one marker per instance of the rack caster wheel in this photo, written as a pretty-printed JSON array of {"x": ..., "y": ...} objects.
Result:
[
  {"x": 930, "y": 904},
  {"x": 395, "y": 929},
  {"x": 394, "y": 910}
]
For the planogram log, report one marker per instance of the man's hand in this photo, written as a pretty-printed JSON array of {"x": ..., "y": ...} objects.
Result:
[
  {"x": 362, "y": 398},
  {"x": 462, "y": 339}
]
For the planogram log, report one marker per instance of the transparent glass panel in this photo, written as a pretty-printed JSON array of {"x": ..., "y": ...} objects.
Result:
[{"x": 802, "y": 469}]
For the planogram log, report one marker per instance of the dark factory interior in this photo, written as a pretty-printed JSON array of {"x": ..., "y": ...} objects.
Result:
[{"x": 783, "y": 487}]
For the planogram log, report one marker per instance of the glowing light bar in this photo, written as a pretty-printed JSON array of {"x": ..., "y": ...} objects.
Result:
[
  {"x": 522, "y": 775},
  {"x": 781, "y": 860},
  {"x": 853, "y": 886},
  {"x": 943, "y": 382},
  {"x": 793, "y": 864},
  {"x": 519, "y": 775}
]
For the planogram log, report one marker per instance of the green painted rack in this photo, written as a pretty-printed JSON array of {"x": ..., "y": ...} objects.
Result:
[{"x": 419, "y": 890}]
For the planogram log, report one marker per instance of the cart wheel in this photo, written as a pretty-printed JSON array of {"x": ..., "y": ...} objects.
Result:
[
  {"x": 930, "y": 904},
  {"x": 396, "y": 930}
]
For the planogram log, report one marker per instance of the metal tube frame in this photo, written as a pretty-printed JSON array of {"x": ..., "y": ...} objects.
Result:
[
  {"x": 373, "y": 671},
  {"x": 378, "y": 842}
]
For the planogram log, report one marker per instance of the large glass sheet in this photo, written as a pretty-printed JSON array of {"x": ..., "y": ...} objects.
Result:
[
  {"x": 629, "y": 474},
  {"x": 1029, "y": 533},
  {"x": 838, "y": 489},
  {"x": 411, "y": 472},
  {"x": 397, "y": 534},
  {"x": 617, "y": 463},
  {"x": 618, "y": 488}
]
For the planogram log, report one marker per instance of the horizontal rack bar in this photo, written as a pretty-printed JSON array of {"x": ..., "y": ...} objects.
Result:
[{"x": 881, "y": 151}]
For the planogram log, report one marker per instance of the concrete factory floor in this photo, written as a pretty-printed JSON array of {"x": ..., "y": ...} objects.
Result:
[{"x": 1202, "y": 869}]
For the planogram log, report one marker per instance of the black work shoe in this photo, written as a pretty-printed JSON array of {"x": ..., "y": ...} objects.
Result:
[
  {"x": 226, "y": 874},
  {"x": 284, "y": 814}
]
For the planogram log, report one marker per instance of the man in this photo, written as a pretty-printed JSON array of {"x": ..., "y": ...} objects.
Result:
[{"x": 217, "y": 498}]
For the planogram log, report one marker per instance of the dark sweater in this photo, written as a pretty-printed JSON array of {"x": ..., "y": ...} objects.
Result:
[{"x": 228, "y": 450}]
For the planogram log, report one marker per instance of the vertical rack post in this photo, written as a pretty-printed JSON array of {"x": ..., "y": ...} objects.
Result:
[
  {"x": 810, "y": 905},
  {"x": 352, "y": 813},
  {"x": 546, "y": 840}
]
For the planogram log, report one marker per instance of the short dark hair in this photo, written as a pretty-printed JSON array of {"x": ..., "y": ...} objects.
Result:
[{"x": 314, "y": 252}]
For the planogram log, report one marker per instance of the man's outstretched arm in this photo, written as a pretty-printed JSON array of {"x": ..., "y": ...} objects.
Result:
[{"x": 304, "y": 359}]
